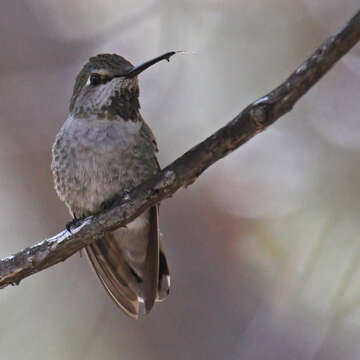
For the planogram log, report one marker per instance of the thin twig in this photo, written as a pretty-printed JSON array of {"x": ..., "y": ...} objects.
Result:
[{"x": 186, "y": 169}]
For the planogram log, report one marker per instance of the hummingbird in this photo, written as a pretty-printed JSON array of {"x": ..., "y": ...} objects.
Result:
[{"x": 103, "y": 150}]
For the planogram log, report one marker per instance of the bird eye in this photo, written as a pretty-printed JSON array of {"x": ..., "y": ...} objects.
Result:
[{"x": 95, "y": 79}]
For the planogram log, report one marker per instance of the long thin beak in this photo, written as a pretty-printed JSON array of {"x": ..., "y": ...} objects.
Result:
[{"x": 136, "y": 70}]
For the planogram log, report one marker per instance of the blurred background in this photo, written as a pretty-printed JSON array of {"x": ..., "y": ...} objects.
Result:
[{"x": 264, "y": 248}]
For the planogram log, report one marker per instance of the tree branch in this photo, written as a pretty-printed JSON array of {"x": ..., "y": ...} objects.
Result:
[{"x": 186, "y": 169}]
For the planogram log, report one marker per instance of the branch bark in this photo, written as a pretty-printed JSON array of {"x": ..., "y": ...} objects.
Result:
[{"x": 185, "y": 170}]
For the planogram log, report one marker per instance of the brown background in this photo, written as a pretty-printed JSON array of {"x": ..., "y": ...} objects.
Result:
[{"x": 264, "y": 248}]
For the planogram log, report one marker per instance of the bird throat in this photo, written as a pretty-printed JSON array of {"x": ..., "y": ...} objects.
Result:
[
  {"x": 113, "y": 101},
  {"x": 123, "y": 103}
]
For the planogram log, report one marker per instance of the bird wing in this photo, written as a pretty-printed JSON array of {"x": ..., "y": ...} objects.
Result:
[
  {"x": 108, "y": 262},
  {"x": 127, "y": 281}
]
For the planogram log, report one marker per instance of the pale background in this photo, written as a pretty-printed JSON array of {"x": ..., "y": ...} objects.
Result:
[{"x": 264, "y": 249}]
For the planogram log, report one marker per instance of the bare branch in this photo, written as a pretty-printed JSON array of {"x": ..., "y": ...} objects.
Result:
[{"x": 186, "y": 169}]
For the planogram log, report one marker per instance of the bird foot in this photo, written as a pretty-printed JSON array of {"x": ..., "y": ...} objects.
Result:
[{"x": 71, "y": 224}]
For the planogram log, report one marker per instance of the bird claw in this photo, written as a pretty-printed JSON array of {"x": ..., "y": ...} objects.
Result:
[{"x": 71, "y": 224}]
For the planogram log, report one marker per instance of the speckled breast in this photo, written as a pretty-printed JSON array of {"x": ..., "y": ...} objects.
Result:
[{"x": 93, "y": 160}]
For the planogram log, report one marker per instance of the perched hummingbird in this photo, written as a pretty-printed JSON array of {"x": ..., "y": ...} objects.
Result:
[{"x": 103, "y": 150}]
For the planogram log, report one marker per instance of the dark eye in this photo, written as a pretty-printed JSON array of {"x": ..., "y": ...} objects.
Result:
[{"x": 95, "y": 79}]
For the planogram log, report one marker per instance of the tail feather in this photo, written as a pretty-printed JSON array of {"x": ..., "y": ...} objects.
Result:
[
  {"x": 151, "y": 266},
  {"x": 113, "y": 280},
  {"x": 128, "y": 277},
  {"x": 164, "y": 277}
]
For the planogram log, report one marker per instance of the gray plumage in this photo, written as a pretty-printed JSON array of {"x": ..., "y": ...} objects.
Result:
[{"x": 105, "y": 149}]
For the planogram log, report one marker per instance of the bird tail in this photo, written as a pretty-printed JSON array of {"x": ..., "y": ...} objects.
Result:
[{"x": 131, "y": 264}]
